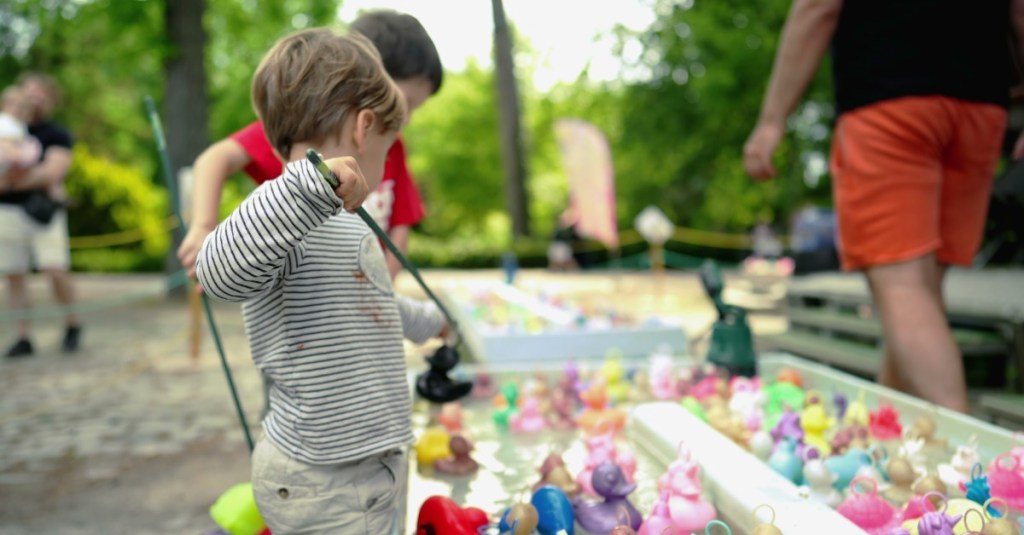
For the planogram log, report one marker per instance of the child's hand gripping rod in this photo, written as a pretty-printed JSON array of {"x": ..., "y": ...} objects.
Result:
[{"x": 332, "y": 180}]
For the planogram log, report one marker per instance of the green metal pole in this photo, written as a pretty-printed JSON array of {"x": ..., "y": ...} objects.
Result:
[{"x": 172, "y": 188}]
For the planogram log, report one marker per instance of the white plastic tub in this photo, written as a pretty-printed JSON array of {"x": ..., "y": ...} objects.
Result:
[
  {"x": 561, "y": 338},
  {"x": 957, "y": 428}
]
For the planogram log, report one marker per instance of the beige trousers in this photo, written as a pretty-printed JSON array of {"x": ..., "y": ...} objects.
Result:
[{"x": 364, "y": 497}]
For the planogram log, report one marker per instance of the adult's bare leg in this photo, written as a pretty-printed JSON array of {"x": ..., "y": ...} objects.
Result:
[
  {"x": 17, "y": 287},
  {"x": 921, "y": 355}
]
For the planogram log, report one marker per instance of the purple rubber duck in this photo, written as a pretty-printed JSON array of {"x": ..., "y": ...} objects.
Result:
[
  {"x": 840, "y": 401},
  {"x": 788, "y": 427},
  {"x": 602, "y": 517}
]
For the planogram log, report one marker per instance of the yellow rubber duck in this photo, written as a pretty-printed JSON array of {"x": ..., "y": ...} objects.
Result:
[
  {"x": 857, "y": 412},
  {"x": 433, "y": 446},
  {"x": 815, "y": 421},
  {"x": 613, "y": 373}
]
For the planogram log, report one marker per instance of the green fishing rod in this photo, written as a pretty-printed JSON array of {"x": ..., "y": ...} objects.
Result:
[
  {"x": 161, "y": 145},
  {"x": 332, "y": 180}
]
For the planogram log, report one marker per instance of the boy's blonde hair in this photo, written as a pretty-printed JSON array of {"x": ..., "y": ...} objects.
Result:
[{"x": 311, "y": 81}]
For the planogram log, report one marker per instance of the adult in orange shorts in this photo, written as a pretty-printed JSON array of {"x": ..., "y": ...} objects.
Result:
[{"x": 921, "y": 89}]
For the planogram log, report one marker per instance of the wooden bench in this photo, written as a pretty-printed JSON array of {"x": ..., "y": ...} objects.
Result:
[
  {"x": 1004, "y": 410},
  {"x": 832, "y": 321},
  {"x": 856, "y": 358}
]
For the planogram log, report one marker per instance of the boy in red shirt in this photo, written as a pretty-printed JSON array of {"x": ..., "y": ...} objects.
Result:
[{"x": 410, "y": 57}]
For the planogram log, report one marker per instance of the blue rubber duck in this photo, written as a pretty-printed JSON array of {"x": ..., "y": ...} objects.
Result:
[{"x": 555, "y": 511}]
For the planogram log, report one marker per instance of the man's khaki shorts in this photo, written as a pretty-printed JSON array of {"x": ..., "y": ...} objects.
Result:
[{"x": 24, "y": 243}]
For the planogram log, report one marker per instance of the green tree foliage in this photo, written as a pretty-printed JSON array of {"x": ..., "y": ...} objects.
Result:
[
  {"x": 680, "y": 140},
  {"x": 107, "y": 55}
]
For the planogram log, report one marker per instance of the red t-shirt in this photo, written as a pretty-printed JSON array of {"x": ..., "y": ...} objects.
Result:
[{"x": 395, "y": 202}]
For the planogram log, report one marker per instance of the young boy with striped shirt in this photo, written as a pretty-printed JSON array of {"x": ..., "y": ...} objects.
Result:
[{"x": 322, "y": 319}]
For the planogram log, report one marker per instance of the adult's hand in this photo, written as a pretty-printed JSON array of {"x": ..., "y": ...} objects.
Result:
[
  {"x": 1018, "y": 147},
  {"x": 759, "y": 149}
]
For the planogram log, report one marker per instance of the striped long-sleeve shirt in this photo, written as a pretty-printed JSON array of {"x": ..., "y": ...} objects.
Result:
[{"x": 321, "y": 316}]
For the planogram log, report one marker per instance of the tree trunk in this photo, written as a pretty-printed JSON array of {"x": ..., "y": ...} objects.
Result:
[
  {"x": 185, "y": 103},
  {"x": 511, "y": 138}
]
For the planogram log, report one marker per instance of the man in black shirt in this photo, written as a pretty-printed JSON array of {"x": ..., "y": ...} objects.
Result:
[
  {"x": 33, "y": 221},
  {"x": 921, "y": 90}
]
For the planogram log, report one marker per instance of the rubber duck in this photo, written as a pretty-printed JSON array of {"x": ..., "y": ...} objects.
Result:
[
  {"x": 597, "y": 415},
  {"x": 459, "y": 463},
  {"x": 913, "y": 450},
  {"x": 846, "y": 466},
  {"x": 788, "y": 427},
  {"x": 857, "y": 413},
  {"x": 954, "y": 507},
  {"x": 660, "y": 520},
  {"x": 689, "y": 512},
  {"x": 820, "y": 481},
  {"x": 868, "y": 511},
  {"x": 1005, "y": 480},
  {"x": 505, "y": 405},
  {"x": 520, "y": 519},
  {"x": 929, "y": 483},
  {"x": 681, "y": 464},
  {"x": 791, "y": 376},
  {"x": 814, "y": 421},
  {"x": 726, "y": 421},
  {"x": 781, "y": 396},
  {"x": 901, "y": 480},
  {"x": 748, "y": 400},
  {"x": 937, "y": 522},
  {"x": 641, "y": 389},
  {"x": 440, "y": 514},
  {"x": 554, "y": 510},
  {"x": 529, "y": 418},
  {"x": 450, "y": 417},
  {"x": 435, "y": 385},
  {"x": 601, "y": 449},
  {"x": 610, "y": 484},
  {"x": 957, "y": 472},
  {"x": 852, "y": 436},
  {"x": 785, "y": 461},
  {"x": 433, "y": 445},
  {"x": 563, "y": 410},
  {"x": 841, "y": 403},
  {"x": 694, "y": 407},
  {"x": 884, "y": 423},
  {"x": 916, "y": 507},
  {"x": 998, "y": 525},
  {"x": 613, "y": 373},
  {"x": 761, "y": 445},
  {"x": 483, "y": 386},
  {"x": 553, "y": 472},
  {"x": 662, "y": 377}
]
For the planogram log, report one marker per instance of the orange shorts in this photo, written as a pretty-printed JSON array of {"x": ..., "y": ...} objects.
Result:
[{"x": 912, "y": 176}]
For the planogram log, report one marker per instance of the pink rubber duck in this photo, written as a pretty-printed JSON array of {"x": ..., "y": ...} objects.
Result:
[
  {"x": 688, "y": 511},
  {"x": 1005, "y": 480},
  {"x": 451, "y": 417},
  {"x": 870, "y": 512},
  {"x": 747, "y": 400},
  {"x": 663, "y": 383},
  {"x": 660, "y": 519},
  {"x": 706, "y": 388},
  {"x": 529, "y": 418}
]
